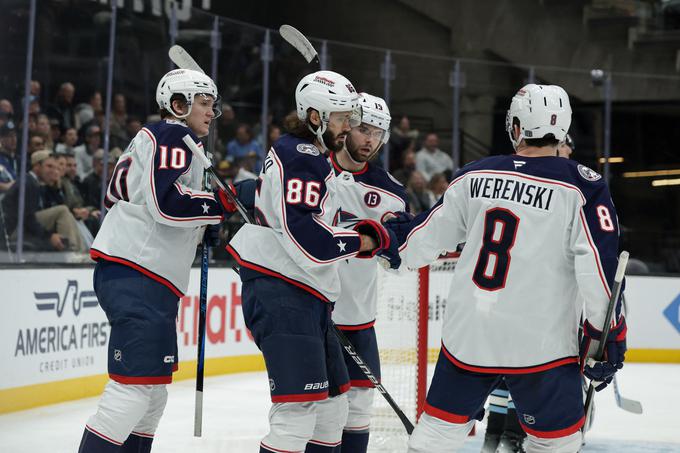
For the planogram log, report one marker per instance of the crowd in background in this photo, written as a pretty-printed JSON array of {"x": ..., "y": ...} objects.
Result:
[{"x": 65, "y": 162}]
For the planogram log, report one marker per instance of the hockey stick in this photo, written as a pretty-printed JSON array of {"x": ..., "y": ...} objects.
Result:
[
  {"x": 626, "y": 404},
  {"x": 300, "y": 42},
  {"x": 184, "y": 61},
  {"x": 296, "y": 39},
  {"x": 599, "y": 354}
]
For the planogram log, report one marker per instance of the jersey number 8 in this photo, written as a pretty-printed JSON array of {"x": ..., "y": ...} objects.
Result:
[
  {"x": 298, "y": 191},
  {"x": 493, "y": 263}
]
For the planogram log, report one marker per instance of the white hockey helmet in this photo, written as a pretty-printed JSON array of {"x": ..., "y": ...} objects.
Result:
[
  {"x": 376, "y": 113},
  {"x": 188, "y": 83},
  {"x": 327, "y": 92},
  {"x": 541, "y": 110}
]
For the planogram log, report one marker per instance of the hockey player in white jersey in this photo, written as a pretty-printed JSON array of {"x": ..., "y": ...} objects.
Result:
[
  {"x": 144, "y": 250},
  {"x": 541, "y": 236},
  {"x": 289, "y": 267},
  {"x": 366, "y": 192}
]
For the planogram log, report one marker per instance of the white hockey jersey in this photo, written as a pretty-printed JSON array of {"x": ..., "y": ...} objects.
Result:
[
  {"x": 297, "y": 238},
  {"x": 541, "y": 235},
  {"x": 156, "y": 207},
  {"x": 366, "y": 194}
]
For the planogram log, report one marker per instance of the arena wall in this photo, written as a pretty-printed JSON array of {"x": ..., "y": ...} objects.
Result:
[{"x": 54, "y": 335}]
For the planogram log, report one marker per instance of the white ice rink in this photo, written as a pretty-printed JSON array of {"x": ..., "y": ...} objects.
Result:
[{"x": 235, "y": 418}]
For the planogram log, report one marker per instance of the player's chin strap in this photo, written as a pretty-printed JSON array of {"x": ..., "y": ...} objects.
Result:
[{"x": 319, "y": 134}]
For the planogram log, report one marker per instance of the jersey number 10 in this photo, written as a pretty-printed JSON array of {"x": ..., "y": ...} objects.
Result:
[{"x": 493, "y": 263}]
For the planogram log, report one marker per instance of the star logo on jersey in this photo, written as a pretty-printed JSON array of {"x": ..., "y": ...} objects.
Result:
[
  {"x": 205, "y": 207},
  {"x": 518, "y": 163},
  {"x": 341, "y": 246}
]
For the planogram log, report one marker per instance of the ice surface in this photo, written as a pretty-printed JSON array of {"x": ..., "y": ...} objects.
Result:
[{"x": 236, "y": 408}]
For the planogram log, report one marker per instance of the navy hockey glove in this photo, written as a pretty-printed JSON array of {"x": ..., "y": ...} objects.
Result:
[
  {"x": 614, "y": 353},
  {"x": 375, "y": 231},
  {"x": 400, "y": 225},
  {"x": 391, "y": 253},
  {"x": 211, "y": 236},
  {"x": 245, "y": 192}
]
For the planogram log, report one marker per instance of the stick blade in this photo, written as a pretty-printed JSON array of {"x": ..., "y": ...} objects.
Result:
[
  {"x": 632, "y": 406},
  {"x": 182, "y": 59},
  {"x": 296, "y": 39}
]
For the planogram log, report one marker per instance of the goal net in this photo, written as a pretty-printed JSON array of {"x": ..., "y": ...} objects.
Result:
[{"x": 411, "y": 306}]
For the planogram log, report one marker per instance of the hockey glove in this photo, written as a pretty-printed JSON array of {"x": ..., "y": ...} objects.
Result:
[
  {"x": 245, "y": 192},
  {"x": 391, "y": 253},
  {"x": 228, "y": 207},
  {"x": 375, "y": 231},
  {"x": 602, "y": 372},
  {"x": 211, "y": 236},
  {"x": 400, "y": 225}
]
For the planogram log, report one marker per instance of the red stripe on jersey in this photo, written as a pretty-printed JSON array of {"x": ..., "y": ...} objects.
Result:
[
  {"x": 98, "y": 434},
  {"x": 554, "y": 434},
  {"x": 272, "y": 273},
  {"x": 149, "y": 436},
  {"x": 299, "y": 398},
  {"x": 324, "y": 444},
  {"x": 276, "y": 450},
  {"x": 97, "y": 254},
  {"x": 509, "y": 370},
  {"x": 141, "y": 380},
  {"x": 344, "y": 387},
  {"x": 444, "y": 415},
  {"x": 596, "y": 253},
  {"x": 362, "y": 383},
  {"x": 364, "y": 326}
]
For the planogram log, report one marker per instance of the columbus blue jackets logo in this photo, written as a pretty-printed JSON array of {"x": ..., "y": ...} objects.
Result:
[
  {"x": 307, "y": 148},
  {"x": 588, "y": 174},
  {"x": 372, "y": 199}
]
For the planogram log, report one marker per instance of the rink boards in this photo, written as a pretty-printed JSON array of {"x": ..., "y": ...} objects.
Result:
[{"x": 53, "y": 334}]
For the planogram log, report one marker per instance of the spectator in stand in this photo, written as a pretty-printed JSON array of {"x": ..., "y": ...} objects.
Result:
[
  {"x": 36, "y": 142},
  {"x": 231, "y": 172},
  {"x": 92, "y": 184},
  {"x": 68, "y": 141},
  {"x": 274, "y": 134},
  {"x": 408, "y": 165},
  {"x": 430, "y": 159},
  {"x": 84, "y": 152},
  {"x": 7, "y": 107},
  {"x": 226, "y": 126},
  {"x": 401, "y": 137},
  {"x": 43, "y": 128},
  {"x": 35, "y": 89},
  {"x": 9, "y": 161},
  {"x": 52, "y": 228},
  {"x": 32, "y": 123},
  {"x": 55, "y": 132},
  {"x": 132, "y": 125},
  {"x": 118, "y": 134},
  {"x": 419, "y": 197},
  {"x": 74, "y": 199},
  {"x": 438, "y": 185},
  {"x": 245, "y": 146},
  {"x": 86, "y": 112},
  {"x": 62, "y": 109}
]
